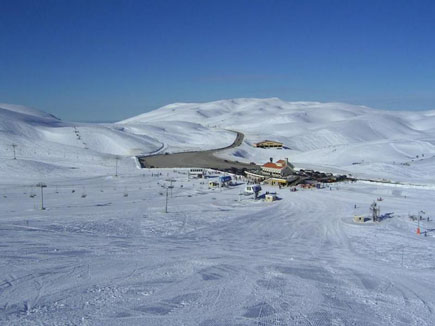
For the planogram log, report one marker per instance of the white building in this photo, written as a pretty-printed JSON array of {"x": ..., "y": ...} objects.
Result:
[{"x": 281, "y": 168}]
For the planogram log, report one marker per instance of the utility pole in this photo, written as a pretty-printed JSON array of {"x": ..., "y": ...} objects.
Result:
[
  {"x": 13, "y": 147},
  {"x": 42, "y": 186},
  {"x": 166, "y": 202}
]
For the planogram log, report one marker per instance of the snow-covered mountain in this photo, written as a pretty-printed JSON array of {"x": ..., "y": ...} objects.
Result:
[
  {"x": 326, "y": 135},
  {"x": 34, "y": 130},
  {"x": 302, "y": 126},
  {"x": 47, "y": 146},
  {"x": 334, "y": 136}
]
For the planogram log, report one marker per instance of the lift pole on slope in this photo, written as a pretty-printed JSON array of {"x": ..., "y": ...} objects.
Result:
[
  {"x": 167, "y": 193},
  {"x": 171, "y": 186},
  {"x": 166, "y": 202},
  {"x": 42, "y": 186}
]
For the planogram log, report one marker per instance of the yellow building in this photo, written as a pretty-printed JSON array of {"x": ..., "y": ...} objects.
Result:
[
  {"x": 277, "y": 182},
  {"x": 268, "y": 144}
]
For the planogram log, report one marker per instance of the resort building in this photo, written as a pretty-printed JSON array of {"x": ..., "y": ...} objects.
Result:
[
  {"x": 268, "y": 144},
  {"x": 281, "y": 168}
]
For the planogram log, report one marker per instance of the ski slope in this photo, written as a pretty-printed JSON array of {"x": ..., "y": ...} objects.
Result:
[
  {"x": 107, "y": 254},
  {"x": 47, "y": 146},
  {"x": 104, "y": 252}
]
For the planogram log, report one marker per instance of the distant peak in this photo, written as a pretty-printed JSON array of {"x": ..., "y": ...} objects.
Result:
[{"x": 21, "y": 109}]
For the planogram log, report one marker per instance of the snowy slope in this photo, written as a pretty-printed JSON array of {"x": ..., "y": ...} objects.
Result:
[
  {"x": 105, "y": 252},
  {"x": 301, "y": 125},
  {"x": 179, "y": 136},
  {"x": 352, "y": 138},
  {"x": 31, "y": 128},
  {"x": 49, "y": 147},
  {"x": 326, "y": 136},
  {"x": 213, "y": 259}
]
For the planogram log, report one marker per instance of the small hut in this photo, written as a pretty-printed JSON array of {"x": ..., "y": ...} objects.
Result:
[
  {"x": 358, "y": 219},
  {"x": 270, "y": 197}
]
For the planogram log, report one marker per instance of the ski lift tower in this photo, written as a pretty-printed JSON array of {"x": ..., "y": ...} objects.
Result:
[
  {"x": 375, "y": 211},
  {"x": 170, "y": 186},
  {"x": 167, "y": 192},
  {"x": 42, "y": 186}
]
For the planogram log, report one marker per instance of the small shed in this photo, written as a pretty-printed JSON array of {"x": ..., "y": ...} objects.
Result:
[
  {"x": 358, "y": 219},
  {"x": 270, "y": 197}
]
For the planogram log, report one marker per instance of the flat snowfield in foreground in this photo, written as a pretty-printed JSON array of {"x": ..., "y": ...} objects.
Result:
[{"x": 105, "y": 253}]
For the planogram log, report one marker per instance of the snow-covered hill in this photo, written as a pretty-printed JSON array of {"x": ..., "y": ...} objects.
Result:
[
  {"x": 328, "y": 136},
  {"x": 48, "y": 147},
  {"x": 331, "y": 136},
  {"x": 302, "y": 126}
]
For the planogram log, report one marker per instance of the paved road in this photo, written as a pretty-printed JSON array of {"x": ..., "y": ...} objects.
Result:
[{"x": 199, "y": 159}]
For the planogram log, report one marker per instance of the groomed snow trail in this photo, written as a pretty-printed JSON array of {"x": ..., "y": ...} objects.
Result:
[{"x": 114, "y": 258}]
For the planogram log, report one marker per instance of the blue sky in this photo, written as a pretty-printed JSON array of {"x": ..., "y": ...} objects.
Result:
[{"x": 108, "y": 60}]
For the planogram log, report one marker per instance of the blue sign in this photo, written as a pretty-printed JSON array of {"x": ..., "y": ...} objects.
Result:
[{"x": 225, "y": 178}]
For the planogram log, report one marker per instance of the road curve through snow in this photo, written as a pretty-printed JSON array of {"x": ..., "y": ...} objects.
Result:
[{"x": 198, "y": 159}]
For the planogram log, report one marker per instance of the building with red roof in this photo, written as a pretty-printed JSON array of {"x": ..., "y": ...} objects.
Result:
[{"x": 281, "y": 168}]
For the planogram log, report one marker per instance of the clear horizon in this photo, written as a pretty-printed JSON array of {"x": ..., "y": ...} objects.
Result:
[{"x": 111, "y": 60}]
